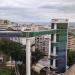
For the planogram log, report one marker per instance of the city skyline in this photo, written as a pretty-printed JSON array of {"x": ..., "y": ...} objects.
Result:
[{"x": 37, "y": 11}]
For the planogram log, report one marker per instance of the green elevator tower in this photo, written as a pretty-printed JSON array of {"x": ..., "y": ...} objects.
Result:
[{"x": 59, "y": 45}]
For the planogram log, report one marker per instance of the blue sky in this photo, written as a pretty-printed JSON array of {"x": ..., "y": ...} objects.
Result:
[{"x": 37, "y": 10}]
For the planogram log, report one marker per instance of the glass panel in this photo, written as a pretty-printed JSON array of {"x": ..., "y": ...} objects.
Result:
[
  {"x": 62, "y": 25},
  {"x": 52, "y": 26}
]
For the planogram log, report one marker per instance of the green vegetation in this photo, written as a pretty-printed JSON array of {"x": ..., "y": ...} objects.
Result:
[
  {"x": 11, "y": 48},
  {"x": 37, "y": 55},
  {"x": 15, "y": 50},
  {"x": 71, "y": 57},
  {"x": 5, "y": 71},
  {"x": 42, "y": 72}
]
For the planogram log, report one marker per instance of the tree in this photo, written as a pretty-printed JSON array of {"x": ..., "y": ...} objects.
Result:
[
  {"x": 37, "y": 55},
  {"x": 15, "y": 50},
  {"x": 71, "y": 57},
  {"x": 12, "y": 49}
]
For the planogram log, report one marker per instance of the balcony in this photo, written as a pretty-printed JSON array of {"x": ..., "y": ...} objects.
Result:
[
  {"x": 53, "y": 67},
  {"x": 52, "y": 54},
  {"x": 54, "y": 42}
]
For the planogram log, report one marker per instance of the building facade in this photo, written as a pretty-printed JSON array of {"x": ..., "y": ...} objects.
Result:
[
  {"x": 71, "y": 42},
  {"x": 4, "y": 24},
  {"x": 42, "y": 44},
  {"x": 58, "y": 55},
  {"x": 55, "y": 45}
]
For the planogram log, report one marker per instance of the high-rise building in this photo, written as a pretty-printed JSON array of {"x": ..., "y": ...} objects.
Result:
[
  {"x": 55, "y": 44},
  {"x": 58, "y": 49}
]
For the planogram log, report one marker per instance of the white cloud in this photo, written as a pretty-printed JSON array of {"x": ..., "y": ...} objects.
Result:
[{"x": 36, "y": 10}]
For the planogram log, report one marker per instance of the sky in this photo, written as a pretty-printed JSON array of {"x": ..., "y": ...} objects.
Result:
[{"x": 37, "y": 10}]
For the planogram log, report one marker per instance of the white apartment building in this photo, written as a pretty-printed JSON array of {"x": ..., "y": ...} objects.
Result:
[
  {"x": 4, "y": 24},
  {"x": 42, "y": 44}
]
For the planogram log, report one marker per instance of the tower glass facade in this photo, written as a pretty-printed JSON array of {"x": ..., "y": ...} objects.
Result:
[{"x": 60, "y": 46}]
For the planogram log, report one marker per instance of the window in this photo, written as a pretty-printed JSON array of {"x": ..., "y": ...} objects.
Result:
[
  {"x": 51, "y": 48},
  {"x": 57, "y": 37},
  {"x": 5, "y": 21},
  {"x": 62, "y": 25},
  {"x": 57, "y": 63},
  {"x": 52, "y": 37},
  {"x": 51, "y": 62},
  {"x": 57, "y": 50},
  {"x": 52, "y": 26}
]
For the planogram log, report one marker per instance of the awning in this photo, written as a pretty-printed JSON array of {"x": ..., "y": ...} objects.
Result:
[{"x": 37, "y": 67}]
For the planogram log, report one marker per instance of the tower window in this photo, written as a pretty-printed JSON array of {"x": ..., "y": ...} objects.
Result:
[{"x": 52, "y": 26}]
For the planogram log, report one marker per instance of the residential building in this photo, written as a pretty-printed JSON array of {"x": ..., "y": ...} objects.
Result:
[
  {"x": 42, "y": 44},
  {"x": 71, "y": 42},
  {"x": 4, "y": 24}
]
